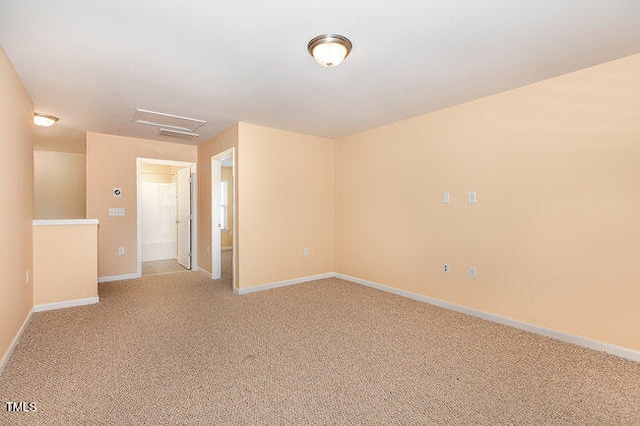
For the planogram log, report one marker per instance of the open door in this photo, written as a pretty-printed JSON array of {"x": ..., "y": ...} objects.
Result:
[
  {"x": 184, "y": 217},
  {"x": 216, "y": 221}
]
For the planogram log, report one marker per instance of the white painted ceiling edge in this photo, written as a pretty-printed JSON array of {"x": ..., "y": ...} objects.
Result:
[{"x": 92, "y": 63}]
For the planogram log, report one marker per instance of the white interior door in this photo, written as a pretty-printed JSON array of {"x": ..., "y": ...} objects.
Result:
[
  {"x": 216, "y": 221},
  {"x": 184, "y": 217}
]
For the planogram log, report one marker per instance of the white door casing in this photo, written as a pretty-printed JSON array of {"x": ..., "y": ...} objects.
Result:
[
  {"x": 216, "y": 220},
  {"x": 184, "y": 217}
]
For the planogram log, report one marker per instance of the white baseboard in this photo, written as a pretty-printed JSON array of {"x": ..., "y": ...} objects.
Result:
[
  {"x": 14, "y": 342},
  {"x": 554, "y": 334},
  {"x": 204, "y": 271},
  {"x": 41, "y": 308},
  {"x": 66, "y": 304},
  {"x": 111, "y": 278},
  {"x": 226, "y": 248},
  {"x": 277, "y": 284}
]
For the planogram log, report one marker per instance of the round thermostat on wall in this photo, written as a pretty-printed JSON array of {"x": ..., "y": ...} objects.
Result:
[{"x": 117, "y": 192}]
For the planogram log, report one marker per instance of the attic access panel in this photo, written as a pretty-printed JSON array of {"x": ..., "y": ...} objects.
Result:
[{"x": 167, "y": 121}]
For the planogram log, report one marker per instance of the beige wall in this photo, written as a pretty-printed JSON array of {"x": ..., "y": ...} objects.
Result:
[
  {"x": 555, "y": 234},
  {"x": 60, "y": 138},
  {"x": 69, "y": 274},
  {"x": 223, "y": 141},
  {"x": 226, "y": 237},
  {"x": 16, "y": 203},
  {"x": 59, "y": 185},
  {"x": 111, "y": 162},
  {"x": 286, "y": 199}
]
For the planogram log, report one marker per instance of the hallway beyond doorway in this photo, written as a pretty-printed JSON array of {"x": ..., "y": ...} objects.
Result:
[{"x": 157, "y": 267}]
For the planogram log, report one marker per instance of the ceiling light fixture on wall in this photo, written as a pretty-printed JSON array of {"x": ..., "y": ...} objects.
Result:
[
  {"x": 44, "y": 120},
  {"x": 329, "y": 50}
]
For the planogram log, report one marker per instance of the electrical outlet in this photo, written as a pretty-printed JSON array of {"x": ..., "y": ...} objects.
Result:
[
  {"x": 473, "y": 272},
  {"x": 306, "y": 251},
  {"x": 446, "y": 198},
  {"x": 120, "y": 251},
  {"x": 445, "y": 268},
  {"x": 472, "y": 197},
  {"x": 26, "y": 273}
]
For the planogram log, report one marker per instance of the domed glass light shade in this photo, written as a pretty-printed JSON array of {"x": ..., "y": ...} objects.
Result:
[
  {"x": 329, "y": 50},
  {"x": 44, "y": 120}
]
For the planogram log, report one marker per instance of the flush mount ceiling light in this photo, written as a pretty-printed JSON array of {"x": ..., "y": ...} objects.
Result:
[
  {"x": 44, "y": 120},
  {"x": 329, "y": 50}
]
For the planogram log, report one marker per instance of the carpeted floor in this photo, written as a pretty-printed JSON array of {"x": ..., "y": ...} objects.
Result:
[{"x": 181, "y": 349}]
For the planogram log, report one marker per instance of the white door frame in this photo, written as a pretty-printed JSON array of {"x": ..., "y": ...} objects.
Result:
[
  {"x": 215, "y": 206},
  {"x": 194, "y": 207},
  {"x": 184, "y": 217}
]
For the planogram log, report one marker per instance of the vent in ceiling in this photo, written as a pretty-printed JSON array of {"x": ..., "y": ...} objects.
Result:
[
  {"x": 167, "y": 121},
  {"x": 177, "y": 134}
]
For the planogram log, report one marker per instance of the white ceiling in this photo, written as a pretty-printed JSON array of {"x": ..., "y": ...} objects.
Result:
[{"x": 92, "y": 63}]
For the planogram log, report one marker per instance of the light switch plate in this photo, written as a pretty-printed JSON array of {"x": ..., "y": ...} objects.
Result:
[
  {"x": 472, "y": 197},
  {"x": 116, "y": 211}
]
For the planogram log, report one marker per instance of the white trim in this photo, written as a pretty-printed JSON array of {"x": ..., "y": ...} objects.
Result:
[
  {"x": 543, "y": 331},
  {"x": 231, "y": 152},
  {"x": 51, "y": 222},
  {"x": 111, "y": 278},
  {"x": 234, "y": 220},
  {"x": 277, "y": 284},
  {"x": 226, "y": 248},
  {"x": 66, "y": 304},
  {"x": 14, "y": 343},
  {"x": 204, "y": 271},
  {"x": 216, "y": 220}
]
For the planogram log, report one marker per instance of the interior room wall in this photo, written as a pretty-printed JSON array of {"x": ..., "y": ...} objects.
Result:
[
  {"x": 159, "y": 173},
  {"x": 286, "y": 203},
  {"x": 111, "y": 163},
  {"x": 69, "y": 274},
  {"x": 16, "y": 204},
  {"x": 223, "y": 141},
  {"x": 59, "y": 185},
  {"x": 555, "y": 232},
  {"x": 60, "y": 138},
  {"x": 226, "y": 237}
]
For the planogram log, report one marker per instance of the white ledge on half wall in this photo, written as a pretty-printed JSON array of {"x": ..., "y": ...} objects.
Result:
[{"x": 55, "y": 222}]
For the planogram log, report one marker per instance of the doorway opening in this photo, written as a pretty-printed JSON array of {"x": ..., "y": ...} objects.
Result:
[
  {"x": 166, "y": 216},
  {"x": 223, "y": 216}
]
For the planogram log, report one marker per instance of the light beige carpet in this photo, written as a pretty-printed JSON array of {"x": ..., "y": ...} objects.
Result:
[{"x": 181, "y": 349}]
